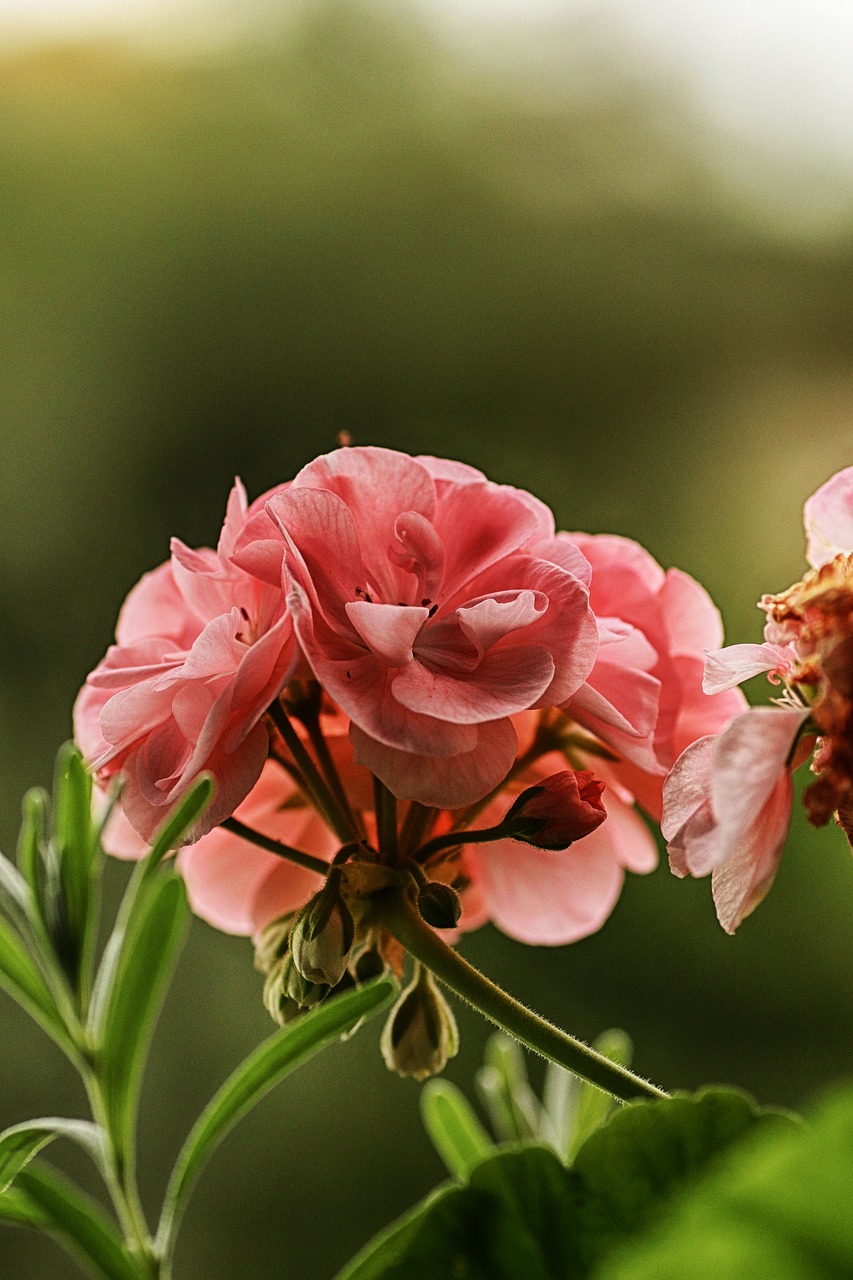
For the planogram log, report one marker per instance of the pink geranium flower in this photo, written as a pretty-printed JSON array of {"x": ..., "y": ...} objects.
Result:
[
  {"x": 426, "y": 617},
  {"x": 203, "y": 647}
]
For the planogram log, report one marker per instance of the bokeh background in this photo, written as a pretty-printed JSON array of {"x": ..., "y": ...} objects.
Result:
[{"x": 607, "y": 260}]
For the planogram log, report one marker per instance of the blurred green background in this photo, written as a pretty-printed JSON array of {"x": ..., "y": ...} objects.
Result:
[{"x": 212, "y": 261}]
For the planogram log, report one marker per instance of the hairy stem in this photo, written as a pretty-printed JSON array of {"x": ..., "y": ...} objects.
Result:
[
  {"x": 394, "y": 910},
  {"x": 314, "y": 784}
]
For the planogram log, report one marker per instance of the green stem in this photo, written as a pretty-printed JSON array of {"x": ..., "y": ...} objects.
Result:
[
  {"x": 120, "y": 1179},
  {"x": 453, "y": 839},
  {"x": 301, "y": 859},
  {"x": 394, "y": 910},
  {"x": 313, "y": 782},
  {"x": 385, "y": 803},
  {"x": 329, "y": 769}
]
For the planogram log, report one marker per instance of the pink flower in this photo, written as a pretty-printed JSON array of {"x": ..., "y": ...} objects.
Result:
[
  {"x": 727, "y": 807},
  {"x": 426, "y": 618},
  {"x": 203, "y": 647}
]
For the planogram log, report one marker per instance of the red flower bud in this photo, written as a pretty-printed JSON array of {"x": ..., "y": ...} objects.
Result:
[{"x": 558, "y": 810}]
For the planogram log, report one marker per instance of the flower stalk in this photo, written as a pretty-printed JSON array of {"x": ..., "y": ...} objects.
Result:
[{"x": 394, "y": 910}]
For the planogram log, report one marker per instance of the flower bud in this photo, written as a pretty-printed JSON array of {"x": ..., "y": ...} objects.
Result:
[
  {"x": 558, "y": 810},
  {"x": 439, "y": 905},
  {"x": 287, "y": 993},
  {"x": 322, "y": 935},
  {"x": 420, "y": 1034},
  {"x": 272, "y": 943}
]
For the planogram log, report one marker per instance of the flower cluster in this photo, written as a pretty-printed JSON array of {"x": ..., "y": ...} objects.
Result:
[
  {"x": 377, "y": 655},
  {"x": 728, "y": 799}
]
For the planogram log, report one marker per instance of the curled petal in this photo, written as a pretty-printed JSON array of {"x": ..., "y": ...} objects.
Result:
[
  {"x": 726, "y": 668},
  {"x": 828, "y": 517}
]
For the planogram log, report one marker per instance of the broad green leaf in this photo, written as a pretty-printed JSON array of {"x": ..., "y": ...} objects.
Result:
[
  {"x": 778, "y": 1206},
  {"x": 523, "y": 1214},
  {"x": 44, "y": 1199},
  {"x": 142, "y": 971},
  {"x": 20, "y": 1143},
  {"x": 456, "y": 1133},
  {"x": 254, "y": 1078}
]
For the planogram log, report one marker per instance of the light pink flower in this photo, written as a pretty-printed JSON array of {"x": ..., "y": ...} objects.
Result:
[
  {"x": 828, "y": 518},
  {"x": 203, "y": 647},
  {"x": 425, "y": 616},
  {"x": 727, "y": 807},
  {"x": 644, "y": 697}
]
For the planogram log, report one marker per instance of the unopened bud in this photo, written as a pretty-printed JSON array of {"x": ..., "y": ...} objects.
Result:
[
  {"x": 557, "y": 811},
  {"x": 369, "y": 965},
  {"x": 420, "y": 1034},
  {"x": 272, "y": 943},
  {"x": 322, "y": 935},
  {"x": 439, "y": 905},
  {"x": 287, "y": 993}
]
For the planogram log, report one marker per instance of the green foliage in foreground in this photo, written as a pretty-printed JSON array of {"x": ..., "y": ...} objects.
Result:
[{"x": 702, "y": 1186}]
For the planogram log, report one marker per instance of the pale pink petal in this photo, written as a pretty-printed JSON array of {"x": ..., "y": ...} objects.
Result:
[
  {"x": 563, "y": 552},
  {"x": 482, "y": 524},
  {"x": 742, "y": 881},
  {"x": 726, "y": 668},
  {"x": 446, "y": 469},
  {"x": 748, "y": 760},
  {"x": 687, "y": 787},
  {"x": 388, "y": 630},
  {"x": 828, "y": 517},
  {"x": 235, "y": 519},
  {"x": 442, "y": 782}
]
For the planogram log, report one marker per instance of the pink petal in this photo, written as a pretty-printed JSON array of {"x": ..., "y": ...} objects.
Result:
[
  {"x": 828, "y": 517},
  {"x": 693, "y": 621},
  {"x": 508, "y": 679},
  {"x": 388, "y": 630},
  {"x": 748, "y": 761},
  {"x": 726, "y": 668},
  {"x": 442, "y": 782},
  {"x": 156, "y": 607},
  {"x": 742, "y": 881}
]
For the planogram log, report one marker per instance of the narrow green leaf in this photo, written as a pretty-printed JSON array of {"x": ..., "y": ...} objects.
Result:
[
  {"x": 31, "y": 840},
  {"x": 179, "y": 821},
  {"x": 21, "y": 978},
  {"x": 456, "y": 1133},
  {"x": 181, "y": 818},
  {"x": 44, "y": 1199},
  {"x": 505, "y": 1089},
  {"x": 142, "y": 971},
  {"x": 20, "y": 1143},
  {"x": 15, "y": 899},
  {"x": 77, "y": 848},
  {"x": 593, "y": 1106},
  {"x": 254, "y": 1078}
]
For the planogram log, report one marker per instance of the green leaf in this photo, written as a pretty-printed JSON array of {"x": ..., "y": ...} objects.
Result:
[
  {"x": 168, "y": 837},
  {"x": 505, "y": 1089},
  {"x": 456, "y": 1133},
  {"x": 142, "y": 970},
  {"x": 179, "y": 821},
  {"x": 20, "y": 976},
  {"x": 593, "y": 1106},
  {"x": 42, "y": 1198},
  {"x": 523, "y": 1214},
  {"x": 31, "y": 841},
  {"x": 254, "y": 1078},
  {"x": 20, "y": 1143},
  {"x": 74, "y": 840},
  {"x": 15, "y": 901},
  {"x": 776, "y": 1206}
]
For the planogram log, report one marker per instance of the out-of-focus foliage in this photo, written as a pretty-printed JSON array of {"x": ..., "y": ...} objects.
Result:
[{"x": 214, "y": 262}]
